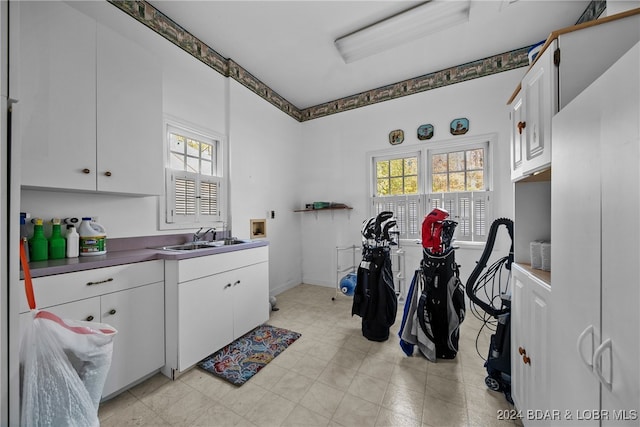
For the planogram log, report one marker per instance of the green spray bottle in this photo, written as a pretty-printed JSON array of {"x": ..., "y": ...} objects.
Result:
[
  {"x": 57, "y": 243},
  {"x": 38, "y": 245}
]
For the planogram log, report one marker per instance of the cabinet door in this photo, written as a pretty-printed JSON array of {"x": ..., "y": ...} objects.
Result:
[
  {"x": 518, "y": 340},
  {"x": 250, "y": 298},
  {"x": 86, "y": 309},
  {"x": 138, "y": 347},
  {"x": 56, "y": 86},
  {"x": 540, "y": 97},
  {"x": 205, "y": 317},
  {"x": 129, "y": 107},
  {"x": 518, "y": 136},
  {"x": 620, "y": 139},
  {"x": 576, "y": 224},
  {"x": 529, "y": 334},
  {"x": 537, "y": 349}
]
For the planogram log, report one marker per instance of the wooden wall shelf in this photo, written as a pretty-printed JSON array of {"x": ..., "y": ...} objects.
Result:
[{"x": 331, "y": 208}]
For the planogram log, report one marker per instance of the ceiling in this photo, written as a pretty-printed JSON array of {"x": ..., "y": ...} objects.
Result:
[{"x": 288, "y": 45}]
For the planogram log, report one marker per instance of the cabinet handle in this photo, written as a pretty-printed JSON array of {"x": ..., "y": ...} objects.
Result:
[
  {"x": 597, "y": 363},
  {"x": 522, "y": 351},
  {"x": 110, "y": 279},
  {"x": 107, "y": 173},
  {"x": 236, "y": 283},
  {"x": 583, "y": 335},
  {"x": 86, "y": 170},
  {"x": 228, "y": 285},
  {"x": 521, "y": 125},
  {"x": 89, "y": 318},
  {"x": 112, "y": 311},
  {"x": 526, "y": 360}
]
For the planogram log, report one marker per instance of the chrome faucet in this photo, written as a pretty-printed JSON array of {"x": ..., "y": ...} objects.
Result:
[{"x": 198, "y": 236}]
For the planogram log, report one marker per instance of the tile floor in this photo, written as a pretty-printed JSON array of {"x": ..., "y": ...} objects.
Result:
[{"x": 331, "y": 376}]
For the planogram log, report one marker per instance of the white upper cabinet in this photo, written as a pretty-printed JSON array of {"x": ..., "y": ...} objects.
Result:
[
  {"x": 90, "y": 104},
  {"x": 572, "y": 59},
  {"x": 531, "y": 113},
  {"x": 55, "y": 84},
  {"x": 540, "y": 97},
  {"x": 129, "y": 126},
  {"x": 518, "y": 136}
]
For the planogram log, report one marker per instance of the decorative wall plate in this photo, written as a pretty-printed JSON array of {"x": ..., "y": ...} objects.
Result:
[
  {"x": 396, "y": 137},
  {"x": 425, "y": 132},
  {"x": 459, "y": 126}
]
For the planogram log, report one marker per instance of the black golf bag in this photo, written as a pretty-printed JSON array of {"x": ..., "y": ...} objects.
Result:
[
  {"x": 435, "y": 306},
  {"x": 441, "y": 306},
  {"x": 374, "y": 298},
  {"x": 497, "y": 306}
]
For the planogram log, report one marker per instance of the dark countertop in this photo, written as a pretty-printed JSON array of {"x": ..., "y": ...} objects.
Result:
[{"x": 131, "y": 250}]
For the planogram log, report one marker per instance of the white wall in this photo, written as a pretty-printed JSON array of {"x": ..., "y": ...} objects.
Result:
[
  {"x": 265, "y": 149},
  {"x": 618, "y": 6},
  {"x": 335, "y": 157}
]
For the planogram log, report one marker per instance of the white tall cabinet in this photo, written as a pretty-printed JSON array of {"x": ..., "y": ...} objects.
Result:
[
  {"x": 596, "y": 257},
  {"x": 562, "y": 195}
]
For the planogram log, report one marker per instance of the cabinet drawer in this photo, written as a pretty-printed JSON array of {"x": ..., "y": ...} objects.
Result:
[
  {"x": 193, "y": 268},
  {"x": 63, "y": 288}
]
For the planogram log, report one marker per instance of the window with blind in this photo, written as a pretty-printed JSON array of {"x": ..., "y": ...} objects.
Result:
[
  {"x": 193, "y": 178},
  {"x": 450, "y": 176}
]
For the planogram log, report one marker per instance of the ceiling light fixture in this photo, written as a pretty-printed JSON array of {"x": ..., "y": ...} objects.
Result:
[{"x": 417, "y": 22}]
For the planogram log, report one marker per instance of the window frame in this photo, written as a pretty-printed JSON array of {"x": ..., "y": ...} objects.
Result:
[
  {"x": 452, "y": 149},
  {"x": 169, "y": 221},
  {"x": 377, "y": 159},
  {"x": 476, "y": 227}
]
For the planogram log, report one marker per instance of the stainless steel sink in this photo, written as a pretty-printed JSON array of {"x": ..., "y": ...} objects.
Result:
[
  {"x": 188, "y": 246},
  {"x": 233, "y": 242},
  {"x": 195, "y": 246}
]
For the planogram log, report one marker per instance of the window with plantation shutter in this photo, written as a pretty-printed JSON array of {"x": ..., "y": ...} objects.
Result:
[
  {"x": 185, "y": 198},
  {"x": 407, "y": 211},
  {"x": 452, "y": 175},
  {"x": 194, "y": 180},
  {"x": 209, "y": 198},
  {"x": 469, "y": 209},
  {"x": 482, "y": 216},
  {"x": 463, "y": 216}
]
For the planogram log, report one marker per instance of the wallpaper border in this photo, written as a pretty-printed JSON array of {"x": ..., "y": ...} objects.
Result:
[{"x": 163, "y": 25}]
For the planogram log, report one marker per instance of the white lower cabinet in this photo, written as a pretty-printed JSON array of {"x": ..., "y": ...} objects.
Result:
[
  {"x": 212, "y": 300},
  {"x": 529, "y": 352},
  {"x": 130, "y": 298},
  {"x": 203, "y": 327},
  {"x": 138, "y": 347}
]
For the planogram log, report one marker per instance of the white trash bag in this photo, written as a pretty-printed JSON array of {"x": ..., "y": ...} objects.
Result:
[{"x": 63, "y": 368}]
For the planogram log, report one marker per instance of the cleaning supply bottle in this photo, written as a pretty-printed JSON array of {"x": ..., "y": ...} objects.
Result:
[
  {"x": 38, "y": 245},
  {"x": 93, "y": 238},
  {"x": 73, "y": 242},
  {"x": 57, "y": 244},
  {"x": 24, "y": 235}
]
